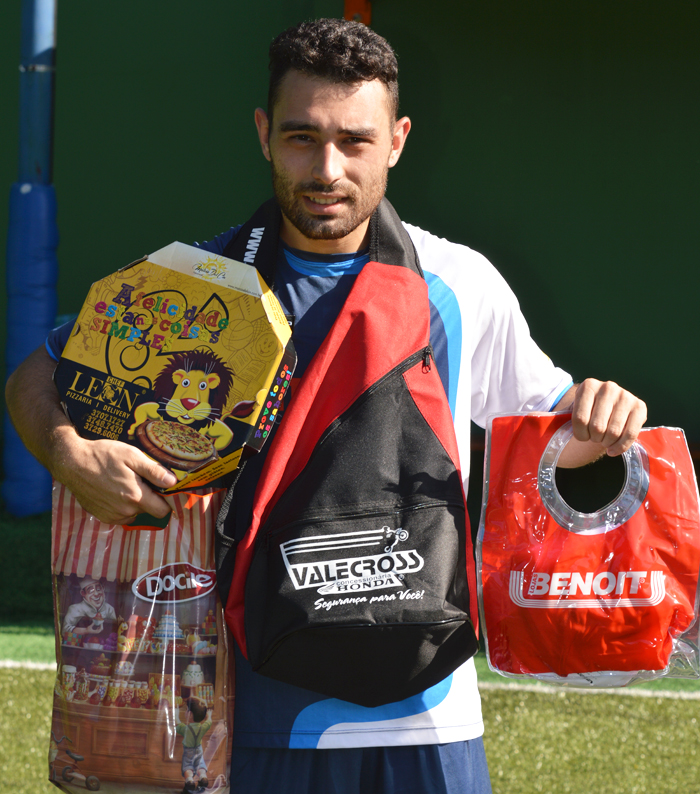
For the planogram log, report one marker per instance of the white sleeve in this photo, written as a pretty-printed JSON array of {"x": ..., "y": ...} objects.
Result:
[
  {"x": 509, "y": 371},
  {"x": 500, "y": 369}
]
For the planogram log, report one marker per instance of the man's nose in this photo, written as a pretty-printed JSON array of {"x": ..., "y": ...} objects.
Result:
[{"x": 328, "y": 166}]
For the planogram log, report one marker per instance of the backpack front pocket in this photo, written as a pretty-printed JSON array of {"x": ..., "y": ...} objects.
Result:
[{"x": 358, "y": 584}]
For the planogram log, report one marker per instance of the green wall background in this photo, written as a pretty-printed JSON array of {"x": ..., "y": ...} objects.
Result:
[{"x": 560, "y": 139}]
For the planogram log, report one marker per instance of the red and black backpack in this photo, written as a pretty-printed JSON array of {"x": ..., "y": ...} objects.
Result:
[{"x": 355, "y": 578}]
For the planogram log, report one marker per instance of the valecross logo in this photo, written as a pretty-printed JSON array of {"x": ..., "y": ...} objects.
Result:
[
  {"x": 314, "y": 561},
  {"x": 178, "y": 581}
]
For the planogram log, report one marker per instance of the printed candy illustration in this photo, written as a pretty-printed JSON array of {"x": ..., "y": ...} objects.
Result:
[{"x": 162, "y": 661}]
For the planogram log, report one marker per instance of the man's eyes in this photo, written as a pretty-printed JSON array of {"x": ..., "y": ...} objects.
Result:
[
  {"x": 352, "y": 140},
  {"x": 299, "y": 137}
]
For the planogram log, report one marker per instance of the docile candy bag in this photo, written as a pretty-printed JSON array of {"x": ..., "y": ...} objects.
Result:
[
  {"x": 143, "y": 699},
  {"x": 590, "y": 599}
]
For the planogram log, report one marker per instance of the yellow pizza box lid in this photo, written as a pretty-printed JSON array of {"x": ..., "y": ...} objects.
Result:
[{"x": 184, "y": 354}]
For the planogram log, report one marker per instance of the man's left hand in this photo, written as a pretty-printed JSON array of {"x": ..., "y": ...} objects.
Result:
[{"x": 604, "y": 415}]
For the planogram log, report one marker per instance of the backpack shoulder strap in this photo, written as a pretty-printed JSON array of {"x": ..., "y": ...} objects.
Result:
[
  {"x": 389, "y": 242},
  {"x": 256, "y": 241}
]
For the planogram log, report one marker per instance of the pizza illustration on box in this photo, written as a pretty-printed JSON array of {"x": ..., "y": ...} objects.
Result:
[{"x": 183, "y": 428}]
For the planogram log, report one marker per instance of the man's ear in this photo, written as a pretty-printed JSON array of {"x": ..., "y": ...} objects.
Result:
[
  {"x": 263, "y": 125},
  {"x": 401, "y": 130}
]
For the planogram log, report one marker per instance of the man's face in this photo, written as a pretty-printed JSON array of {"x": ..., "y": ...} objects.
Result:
[
  {"x": 94, "y": 594},
  {"x": 330, "y": 146}
]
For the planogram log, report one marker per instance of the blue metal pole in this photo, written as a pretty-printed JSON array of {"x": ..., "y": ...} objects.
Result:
[{"x": 32, "y": 264}]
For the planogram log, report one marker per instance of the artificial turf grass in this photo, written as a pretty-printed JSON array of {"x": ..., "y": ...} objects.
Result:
[
  {"x": 28, "y": 642},
  {"x": 535, "y": 742},
  {"x": 578, "y": 744},
  {"x": 27, "y": 700}
]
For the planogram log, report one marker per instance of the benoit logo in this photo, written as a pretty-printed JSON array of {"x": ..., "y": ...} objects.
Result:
[
  {"x": 571, "y": 583},
  {"x": 558, "y": 589},
  {"x": 314, "y": 561},
  {"x": 178, "y": 581}
]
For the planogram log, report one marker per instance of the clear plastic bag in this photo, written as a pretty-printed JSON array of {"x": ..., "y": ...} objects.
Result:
[
  {"x": 143, "y": 699},
  {"x": 597, "y": 599}
]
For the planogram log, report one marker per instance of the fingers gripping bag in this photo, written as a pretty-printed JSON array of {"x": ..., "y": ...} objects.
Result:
[
  {"x": 589, "y": 599},
  {"x": 143, "y": 700}
]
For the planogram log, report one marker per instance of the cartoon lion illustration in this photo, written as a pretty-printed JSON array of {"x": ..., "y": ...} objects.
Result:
[{"x": 192, "y": 389}]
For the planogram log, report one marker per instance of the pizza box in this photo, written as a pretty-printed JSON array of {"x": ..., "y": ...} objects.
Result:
[{"x": 184, "y": 354}]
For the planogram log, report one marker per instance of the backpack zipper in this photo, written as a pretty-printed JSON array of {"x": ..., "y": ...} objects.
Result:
[
  {"x": 351, "y": 513},
  {"x": 424, "y": 355}
]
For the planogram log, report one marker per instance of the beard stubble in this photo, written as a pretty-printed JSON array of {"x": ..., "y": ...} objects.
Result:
[{"x": 361, "y": 203}]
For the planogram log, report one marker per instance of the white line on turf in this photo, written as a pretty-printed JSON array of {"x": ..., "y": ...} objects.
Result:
[
  {"x": 29, "y": 665},
  {"x": 483, "y": 685},
  {"x": 550, "y": 690}
]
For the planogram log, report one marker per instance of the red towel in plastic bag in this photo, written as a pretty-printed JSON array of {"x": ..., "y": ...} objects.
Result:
[
  {"x": 143, "y": 699},
  {"x": 599, "y": 599}
]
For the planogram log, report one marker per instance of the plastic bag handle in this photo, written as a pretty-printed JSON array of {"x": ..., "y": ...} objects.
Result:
[{"x": 615, "y": 513}]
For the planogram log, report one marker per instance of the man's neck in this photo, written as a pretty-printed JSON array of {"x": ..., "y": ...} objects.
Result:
[{"x": 355, "y": 241}]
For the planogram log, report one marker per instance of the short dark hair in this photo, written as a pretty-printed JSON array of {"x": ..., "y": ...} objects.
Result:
[
  {"x": 198, "y": 708},
  {"x": 336, "y": 50}
]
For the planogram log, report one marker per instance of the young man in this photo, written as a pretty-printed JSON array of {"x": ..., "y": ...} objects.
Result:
[{"x": 331, "y": 134}]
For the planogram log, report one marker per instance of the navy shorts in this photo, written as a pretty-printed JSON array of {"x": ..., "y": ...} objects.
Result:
[{"x": 455, "y": 768}]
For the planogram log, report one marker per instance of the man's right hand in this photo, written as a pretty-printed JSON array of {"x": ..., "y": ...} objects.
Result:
[{"x": 110, "y": 479}]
